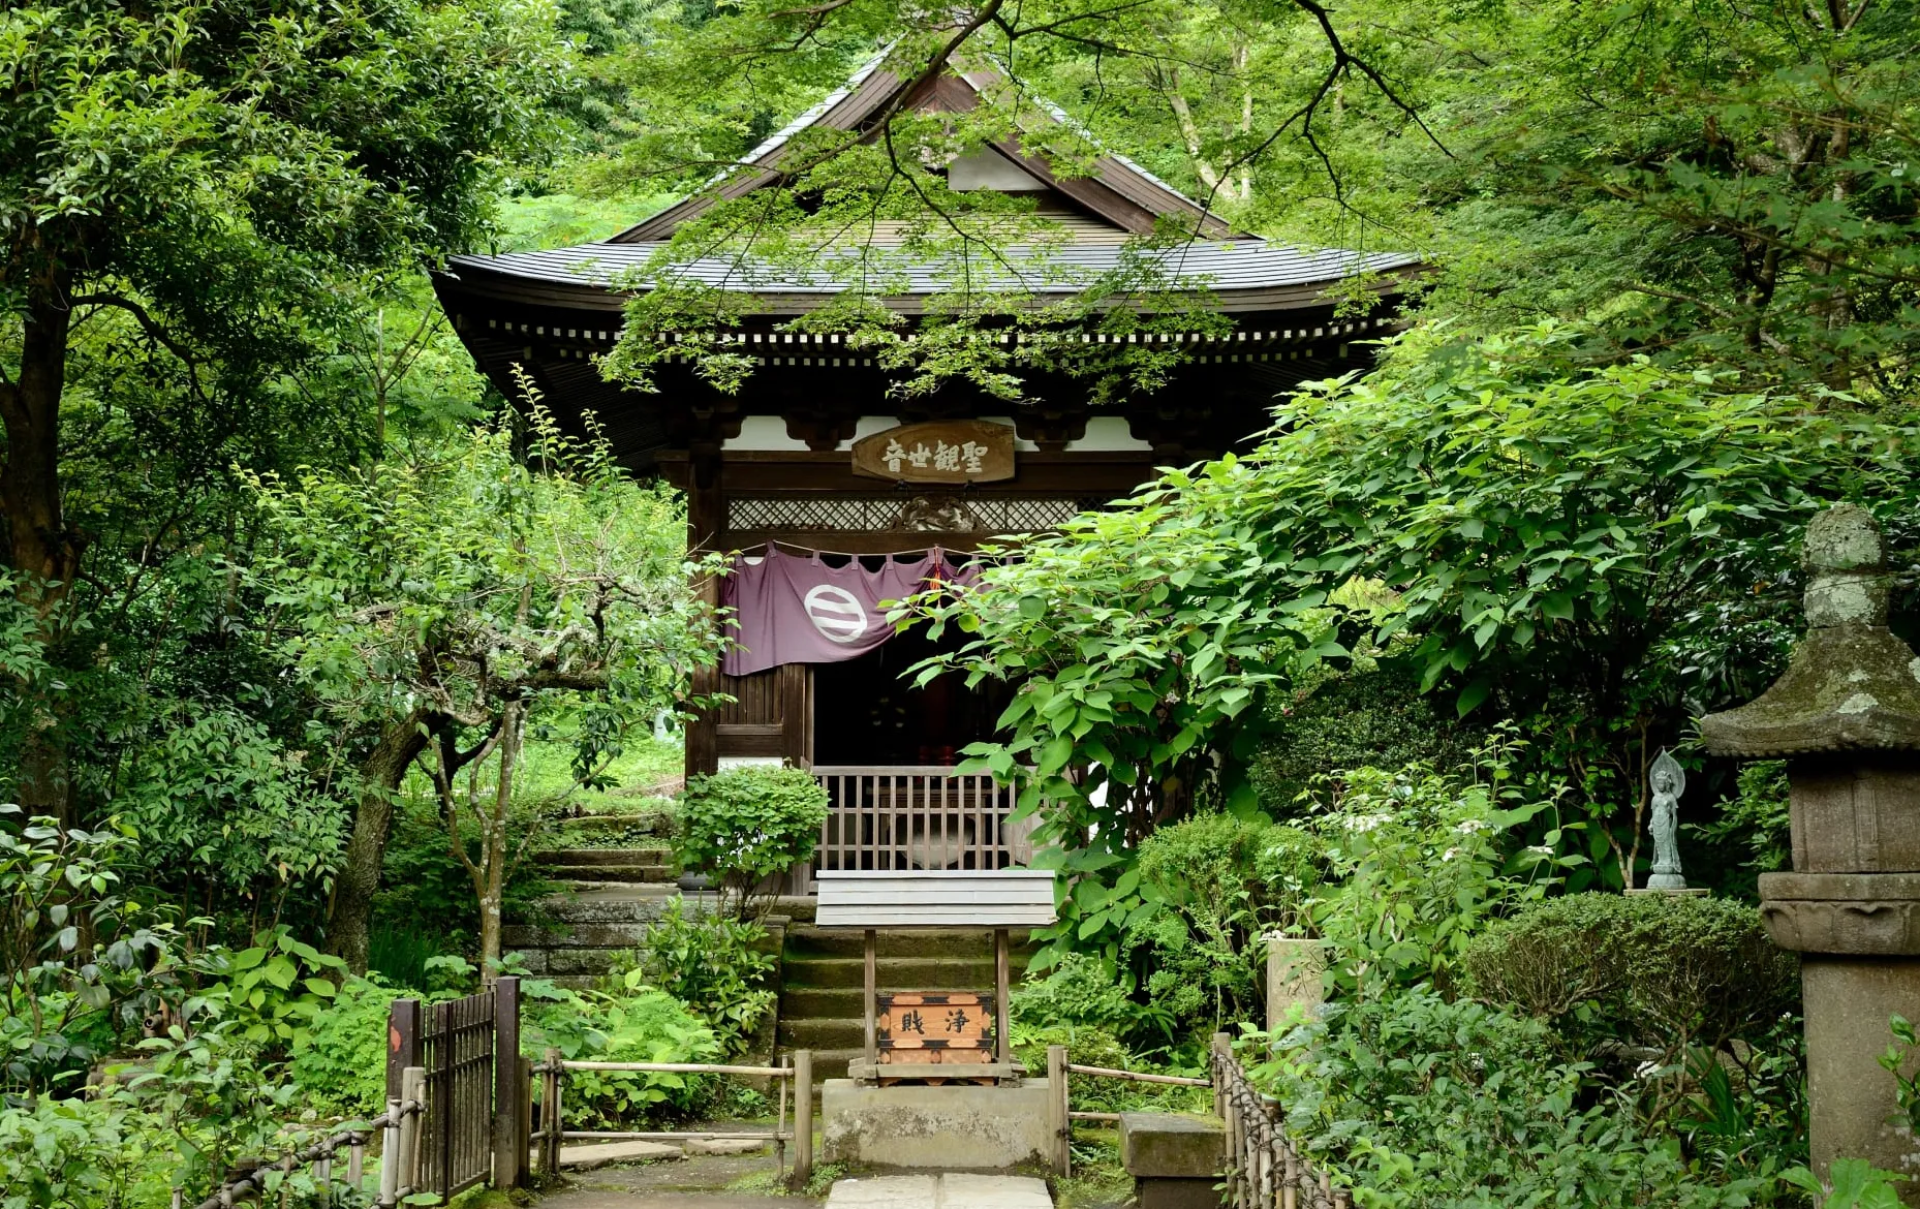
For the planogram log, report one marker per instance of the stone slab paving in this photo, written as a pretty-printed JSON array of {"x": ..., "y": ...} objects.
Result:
[
  {"x": 947, "y": 1191},
  {"x": 594, "y": 1157}
]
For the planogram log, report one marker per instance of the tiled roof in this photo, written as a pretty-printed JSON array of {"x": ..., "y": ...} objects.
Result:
[{"x": 1223, "y": 265}]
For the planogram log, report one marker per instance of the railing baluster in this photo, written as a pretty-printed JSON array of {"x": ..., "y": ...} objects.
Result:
[{"x": 917, "y": 816}]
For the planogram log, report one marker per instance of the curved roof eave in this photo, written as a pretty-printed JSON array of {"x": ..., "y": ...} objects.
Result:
[{"x": 1236, "y": 276}]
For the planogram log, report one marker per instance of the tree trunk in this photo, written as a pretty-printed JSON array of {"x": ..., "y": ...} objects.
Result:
[
  {"x": 351, "y": 918},
  {"x": 39, "y": 544},
  {"x": 493, "y": 855}
]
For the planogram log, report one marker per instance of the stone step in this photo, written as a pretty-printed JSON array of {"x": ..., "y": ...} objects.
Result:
[
  {"x": 809, "y": 941},
  {"x": 832, "y": 1064},
  {"x": 821, "y": 1034},
  {"x": 651, "y": 875},
  {"x": 896, "y": 973},
  {"x": 604, "y": 903},
  {"x": 582, "y": 936},
  {"x": 944, "y": 1190},
  {"x": 569, "y": 858},
  {"x": 588, "y": 962},
  {"x": 816, "y": 1003},
  {"x": 646, "y": 823}
]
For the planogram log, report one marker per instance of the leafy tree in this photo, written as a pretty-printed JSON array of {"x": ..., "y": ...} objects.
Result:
[
  {"x": 445, "y": 598},
  {"x": 184, "y": 189},
  {"x": 1716, "y": 183},
  {"x": 1599, "y": 552}
]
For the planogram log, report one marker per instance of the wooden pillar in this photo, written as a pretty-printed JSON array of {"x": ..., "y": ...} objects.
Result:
[
  {"x": 869, "y": 982},
  {"x": 706, "y": 528},
  {"x": 403, "y": 1042},
  {"x": 550, "y": 1115},
  {"x": 796, "y": 714},
  {"x": 509, "y": 1156},
  {"x": 802, "y": 1117},
  {"x": 1059, "y": 1111},
  {"x": 1002, "y": 1043}
]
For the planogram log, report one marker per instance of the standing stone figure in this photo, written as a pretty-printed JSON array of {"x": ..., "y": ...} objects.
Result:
[{"x": 1668, "y": 781}]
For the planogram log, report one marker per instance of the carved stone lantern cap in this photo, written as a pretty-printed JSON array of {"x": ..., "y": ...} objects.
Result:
[{"x": 1852, "y": 685}]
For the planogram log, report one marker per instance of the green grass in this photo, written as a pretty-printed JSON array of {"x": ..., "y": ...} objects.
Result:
[
  {"x": 1098, "y": 1180},
  {"x": 401, "y": 953},
  {"x": 546, "y": 773}
]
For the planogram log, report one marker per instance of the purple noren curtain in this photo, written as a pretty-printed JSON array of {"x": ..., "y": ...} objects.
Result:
[{"x": 798, "y": 609}]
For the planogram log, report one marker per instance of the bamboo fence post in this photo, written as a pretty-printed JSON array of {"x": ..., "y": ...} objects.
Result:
[
  {"x": 390, "y": 1152},
  {"x": 1059, "y": 1109},
  {"x": 803, "y": 1117},
  {"x": 413, "y": 1087},
  {"x": 550, "y": 1115}
]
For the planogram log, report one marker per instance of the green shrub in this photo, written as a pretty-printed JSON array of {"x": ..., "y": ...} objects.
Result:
[
  {"x": 1089, "y": 1046},
  {"x": 1662, "y": 971},
  {"x": 341, "y": 1067},
  {"x": 631, "y": 1023},
  {"x": 1420, "y": 1102},
  {"x": 1372, "y": 716},
  {"x": 717, "y": 966},
  {"x": 72, "y": 1153},
  {"x": 1210, "y": 886},
  {"x": 744, "y": 825},
  {"x": 1418, "y": 862},
  {"x": 1197, "y": 942},
  {"x": 271, "y": 991},
  {"x": 1079, "y": 992}
]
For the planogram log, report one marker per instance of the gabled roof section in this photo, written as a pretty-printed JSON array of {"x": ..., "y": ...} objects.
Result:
[{"x": 1118, "y": 193}]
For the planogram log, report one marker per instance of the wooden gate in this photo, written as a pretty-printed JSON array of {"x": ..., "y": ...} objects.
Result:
[{"x": 458, "y": 1045}]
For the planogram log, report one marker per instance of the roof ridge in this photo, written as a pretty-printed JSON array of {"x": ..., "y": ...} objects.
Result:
[{"x": 1134, "y": 206}]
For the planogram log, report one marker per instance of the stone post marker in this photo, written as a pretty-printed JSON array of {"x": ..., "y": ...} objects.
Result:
[{"x": 1846, "y": 717}]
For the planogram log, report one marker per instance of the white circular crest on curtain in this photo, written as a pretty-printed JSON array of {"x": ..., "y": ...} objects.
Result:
[{"x": 835, "y": 613}]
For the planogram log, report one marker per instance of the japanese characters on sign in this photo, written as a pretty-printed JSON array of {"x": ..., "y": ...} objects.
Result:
[
  {"x": 944, "y": 451},
  {"x": 938, "y": 1027}
]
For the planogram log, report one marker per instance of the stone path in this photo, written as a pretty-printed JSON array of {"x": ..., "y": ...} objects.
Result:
[
  {"x": 693, "y": 1182},
  {"x": 606, "y": 1154},
  {"x": 940, "y": 1192}
]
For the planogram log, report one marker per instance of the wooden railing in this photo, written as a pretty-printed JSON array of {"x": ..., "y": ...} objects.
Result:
[
  {"x": 916, "y": 817},
  {"x": 1264, "y": 1169},
  {"x": 798, "y": 1076},
  {"x": 320, "y": 1155},
  {"x": 1060, "y": 1111}
]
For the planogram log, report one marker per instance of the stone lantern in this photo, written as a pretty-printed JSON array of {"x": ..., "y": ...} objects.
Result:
[{"x": 1846, "y": 718}]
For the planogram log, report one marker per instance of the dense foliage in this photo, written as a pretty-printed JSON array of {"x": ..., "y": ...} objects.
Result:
[
  {"x": 453, "y": 599},
  {"x": 1423, "y": 1101},
  {"x": 1594, "y": 554},
  {"x": 277, "y": 567},
  {"x": 722, "y": 967},
  {"x": 1670, "y": 974},
  {"x": 745, "y": 825}
]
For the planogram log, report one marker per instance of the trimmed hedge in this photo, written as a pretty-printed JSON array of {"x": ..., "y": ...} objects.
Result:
[{"x": 1662, "y": 971}]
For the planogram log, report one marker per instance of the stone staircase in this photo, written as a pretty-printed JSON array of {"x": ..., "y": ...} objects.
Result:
[
  {"x": 611, "y": 894},
  {"x": 822, "y": 973},
  {"x": 650, "y": 865}
]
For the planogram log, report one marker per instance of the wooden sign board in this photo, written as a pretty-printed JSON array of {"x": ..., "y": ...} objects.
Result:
[
  {"x": 942, "y": 451},
  {"x": 934, "y": 1028}
]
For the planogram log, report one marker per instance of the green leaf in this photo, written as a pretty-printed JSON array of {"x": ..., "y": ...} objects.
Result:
[{"x": 1472, "y": 696}]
